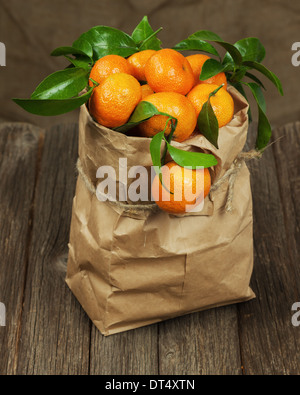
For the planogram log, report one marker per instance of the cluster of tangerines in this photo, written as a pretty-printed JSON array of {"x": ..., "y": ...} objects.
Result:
[{"x": 169, "y": 81}]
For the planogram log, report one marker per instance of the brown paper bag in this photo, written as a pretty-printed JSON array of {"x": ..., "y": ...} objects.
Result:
[{"x": 129, "y": 268}]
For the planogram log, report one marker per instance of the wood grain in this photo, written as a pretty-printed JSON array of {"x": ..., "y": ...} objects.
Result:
[
  {"x": 19, "y": 153},
  {"x": 55, "y": 334},
  {"x": 132, "y": 352},
  {"x": 270, "y": 345},
  {"x": 287, "y": 160},
  {"x": 205, "y": 343}
]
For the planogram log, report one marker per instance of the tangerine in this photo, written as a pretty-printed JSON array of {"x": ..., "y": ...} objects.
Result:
[
  {"x": 175, "y": 105},
  {"x": 109, "y": 64},
  {"x": 181, "y": 189},
  {"x": 197, "y": 61},
  {"x": 169, "y": 71},
  {"x": 114, "y": 100},
  {"x": 138, "y": 61},
  {"x": 222, "y": 102}
]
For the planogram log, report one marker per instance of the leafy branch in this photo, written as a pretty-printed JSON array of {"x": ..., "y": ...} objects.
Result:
[
  {"x": 241, "y": 57},
  {"x": 68, "y": 89},
  {"x": 61, "y": 91}
]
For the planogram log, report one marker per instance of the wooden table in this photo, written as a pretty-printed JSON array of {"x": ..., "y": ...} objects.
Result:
[{"x": 47, "y": 331}]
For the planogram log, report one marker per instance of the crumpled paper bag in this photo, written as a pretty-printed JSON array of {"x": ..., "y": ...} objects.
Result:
[{"x": 131, "y": 268}]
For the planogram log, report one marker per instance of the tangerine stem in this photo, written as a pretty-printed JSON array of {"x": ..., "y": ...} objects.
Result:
[
  {"x": 173, "y": 127},
  {"x": 94, "y": 82},
  {"x": 149, "y": 38},
  {"x": 215, "y": 91}
]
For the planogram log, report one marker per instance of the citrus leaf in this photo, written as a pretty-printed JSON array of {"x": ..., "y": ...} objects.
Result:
[
  {"x": 241, "y": 89},
  {"x": 271, "y": 76},
  {"x": 255, "y": 79},
  {"x": 143, "y": 111},
  {"x": 191, "y": 44},
  {"x": 62, "y": 84},
  {"x": 53, "y": 107},
  {"x": 191, "y": 159},
  {"x": 251, "y": 49},
  {"x": 142, "y": 32},
  {"x": 81, "y": 61},
  {"x": 258, "y": 94},
  {"x": 61, "y": 51},
  {"x": 206, "y": 35},
  {"x": 210, "y": 36},
  {"x": 109, "y": 41},
  {"x": 155, "y": 150},
  {"x": 264, "y": 130},
  {"x": 228, "y": 59},
  {"x": 208, "y": 123},
  {"x": 84, "y": 46},
  {"x": 233, "y": 52},
  {"x": 211, "y": 68}
]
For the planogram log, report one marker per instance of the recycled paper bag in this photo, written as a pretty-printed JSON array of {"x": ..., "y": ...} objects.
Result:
[{"x": 130, "y": 265}]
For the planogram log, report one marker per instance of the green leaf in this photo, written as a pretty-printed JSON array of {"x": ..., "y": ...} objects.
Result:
[
  {"x": 53, "y": 107},
  {"x": 211, "y": 68},
  {"x": 107, "y": 41},
  {"x": 155, "y": 150},
  {"x": 255, "y": 79},
  {"x": 81, "y": 61},
  {"x": 239, "y": 74},
  {"x": 210, "y": 36},
  {"x": 251, "y": 49},
  {"x": 208, "y": 123},
  {"x": 227, "y": 59},
  {"x": 271, "y": 76},
  {"x": 62, "y": 84},
  {"x": 191, "y": 44},
  {"x": 241, "y": 89},
  {"x": 264, "y": 130},
  {"x": 233, "y": 52},
  {"x": 84, "y": 46},
  {"x": 258, "y": 94},
  {"x": 206, "y": 35},
  {"x": 191, "y": 159},
  {"x": 143, "y": 111},
  {"x": 61, "y": 51},
  {"x": 142, "y": 32}
]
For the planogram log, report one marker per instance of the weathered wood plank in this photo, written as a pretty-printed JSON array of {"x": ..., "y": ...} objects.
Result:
[
  {"x": 269, "y": 343},
  {"x": 204, "y": 343},
  {"x": 55, "y": 334},
  {"x": 133, "y": 352},
  {"x": 20, "y": 146},
  {"x": 287, "y": 160}
]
